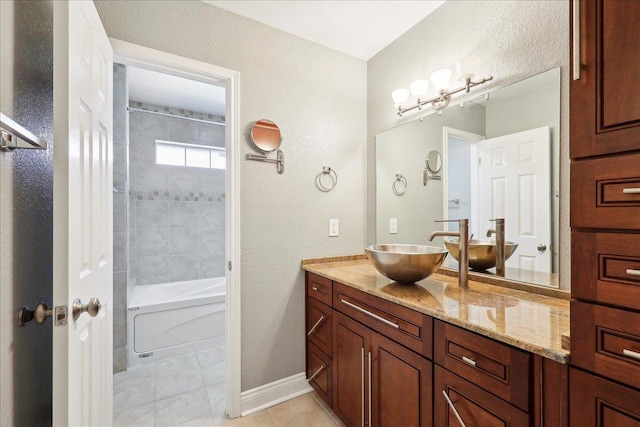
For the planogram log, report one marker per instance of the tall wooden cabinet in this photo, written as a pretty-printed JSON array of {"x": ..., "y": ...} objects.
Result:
[{"x": 605, "y": 214}]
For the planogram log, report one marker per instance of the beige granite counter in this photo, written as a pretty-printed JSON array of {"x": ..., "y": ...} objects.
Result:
[{"x": 526, "y": 320}]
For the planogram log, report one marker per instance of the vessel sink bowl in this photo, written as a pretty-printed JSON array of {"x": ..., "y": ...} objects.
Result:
[
  {"x": 482, "y": 253},
  {"x": 406, "y": 263}
]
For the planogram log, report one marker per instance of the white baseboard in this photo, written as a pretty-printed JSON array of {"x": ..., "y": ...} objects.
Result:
[{"x": 271, "y": 394}]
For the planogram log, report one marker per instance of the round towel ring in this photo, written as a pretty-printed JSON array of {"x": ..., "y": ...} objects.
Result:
[
  {"x": 326, "y": 170},
  {"x": 400, "y": 189}
]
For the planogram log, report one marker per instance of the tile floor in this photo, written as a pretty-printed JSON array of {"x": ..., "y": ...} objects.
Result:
[{"x": 189, "y": 390}]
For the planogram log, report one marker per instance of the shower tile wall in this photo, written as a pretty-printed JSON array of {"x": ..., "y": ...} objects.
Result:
[
  {"x": 177, "y": 213},
  {"x": 120, "y": 232}
]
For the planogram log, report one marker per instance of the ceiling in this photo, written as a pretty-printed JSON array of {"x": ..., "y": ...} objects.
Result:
[
  {"x": 357, "y": 28},
  {"x": 169, "y": 91}
]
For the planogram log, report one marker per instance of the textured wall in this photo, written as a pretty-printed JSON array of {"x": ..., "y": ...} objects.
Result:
[
  {"x": 26, "y": 212},
  {"x": 177, "y": 228},
  {"x": 318, "y": 98},
  {"x": 403, "y": 150},
  {"x": 513, "y": 39}
]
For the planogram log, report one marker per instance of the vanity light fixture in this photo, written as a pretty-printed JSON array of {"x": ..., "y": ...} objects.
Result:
[{"x": 440, "y": 80}]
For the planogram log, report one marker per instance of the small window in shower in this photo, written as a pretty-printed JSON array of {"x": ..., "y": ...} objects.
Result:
[{"x": 190, "y": 155}]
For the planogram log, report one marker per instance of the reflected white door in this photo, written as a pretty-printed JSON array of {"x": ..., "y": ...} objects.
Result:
[
  {"x": 83, "y": 206},
  {"x": 515, "y": 170}
]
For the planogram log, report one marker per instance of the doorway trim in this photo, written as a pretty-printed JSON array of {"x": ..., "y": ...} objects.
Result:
[
  {"x": 473, "y": 140},
  {"x": 131, "y": 54}
]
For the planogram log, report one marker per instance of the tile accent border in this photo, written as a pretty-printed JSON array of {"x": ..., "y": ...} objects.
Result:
[
  {"x": 268, "y": 395},
  {"x": 178, "y": 112}
]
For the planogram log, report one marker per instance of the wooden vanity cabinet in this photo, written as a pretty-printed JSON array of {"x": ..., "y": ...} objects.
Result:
[
  {"x": 373, "y": 376},
  {"x": 378, "y": 382}
]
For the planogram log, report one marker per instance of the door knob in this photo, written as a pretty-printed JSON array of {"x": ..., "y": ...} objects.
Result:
[
  {"x": 93, "y": 307},
  {"x": 38, "y": 314},
  {"x": 542, "y": 247}
]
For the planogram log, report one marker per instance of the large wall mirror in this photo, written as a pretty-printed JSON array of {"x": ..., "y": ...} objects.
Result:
[{"x": 500, "y": 158}]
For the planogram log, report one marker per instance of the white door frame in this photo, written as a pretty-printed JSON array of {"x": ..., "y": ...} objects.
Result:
[
  {"x": 151, "y": 59},
  {"x": 473, "y": 139}
]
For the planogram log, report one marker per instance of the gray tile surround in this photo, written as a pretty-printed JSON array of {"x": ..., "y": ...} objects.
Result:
[{"x": 177, "y": 213}]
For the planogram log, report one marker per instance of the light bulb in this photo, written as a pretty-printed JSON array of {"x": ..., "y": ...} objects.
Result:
[
  {"x": 419, "y": 88},
  {"x": 400, "y": 96},
  {"x": 441, "y": 79},
  {"x": 467, "y": 68}
]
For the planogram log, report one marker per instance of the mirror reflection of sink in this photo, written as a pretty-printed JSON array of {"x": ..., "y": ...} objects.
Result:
[
  {"x": 482, "y": 252},
  {"x": 406, "y": 263}
]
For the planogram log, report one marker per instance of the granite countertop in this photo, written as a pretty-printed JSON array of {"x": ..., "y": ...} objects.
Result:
[{"x": 526, "y": 320}]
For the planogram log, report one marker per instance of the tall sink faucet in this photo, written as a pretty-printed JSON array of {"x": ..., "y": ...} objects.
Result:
[
  {"x": 463, "y": 247},
  {"x": 500, "y": 256}
]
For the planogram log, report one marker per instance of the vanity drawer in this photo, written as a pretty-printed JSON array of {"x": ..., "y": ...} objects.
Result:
[
  {"x": 403, "y": 325},
  {"x": 496, "y": 367},
  {"x": 319, "y": 321},
  {"x": 606, "y": 341},
  {"x": 605, "y": 193},
  {"x": 606, "y": 268},
  {"x": 319, "y": 372},
  {"x": 320, "y": 288}
]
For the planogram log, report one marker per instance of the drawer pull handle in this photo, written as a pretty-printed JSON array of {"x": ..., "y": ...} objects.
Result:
[
  {"x": 312, "y": 377},
  {"x": 368, "y": 313},
  {"x": 314, "y": 288},
  {"x": 453, "y": 408},
  {"x": 469, "y": 361},
  {"x": 313, "y": 329},
  {"x": 632, "y": 272},
  {"x": 631, "y": 353},
  {"x": 631, "y": 190},
  {"x": 576, "y": 39}
]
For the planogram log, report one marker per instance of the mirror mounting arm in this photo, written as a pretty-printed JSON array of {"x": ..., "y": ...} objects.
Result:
[{"x": 279, "y": 160}]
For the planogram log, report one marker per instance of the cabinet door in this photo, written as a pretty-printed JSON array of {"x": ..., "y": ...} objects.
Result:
[
  {"x": 475, "y": 406},
  {"x": 352, "y": 343},
  {"x": 402, "y": 384},
  {"x": 605, "y": 106},
  {"x": 596, "y": 402}
]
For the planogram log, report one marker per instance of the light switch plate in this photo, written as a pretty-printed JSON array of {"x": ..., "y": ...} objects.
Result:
[
  {"x": 393, "y": 225},
  {"x": 333, "y": 227}
]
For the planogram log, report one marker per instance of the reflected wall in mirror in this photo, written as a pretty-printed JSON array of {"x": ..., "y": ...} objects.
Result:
[
  {"x": 266, "y": 136},
  {"x": 500, "y": 159}
]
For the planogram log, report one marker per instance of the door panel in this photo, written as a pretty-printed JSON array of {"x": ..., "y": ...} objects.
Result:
[
  {"x": 83, "y": 209},
  {"x": 352, "y": 344},
  {"x": 516, "y": 169},
  {"x": 402, "y": 382}
]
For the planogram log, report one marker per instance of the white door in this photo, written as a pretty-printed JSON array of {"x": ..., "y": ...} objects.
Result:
[
  {"x": 514, "y": 173},
  {"x": 83, "y": 207}
]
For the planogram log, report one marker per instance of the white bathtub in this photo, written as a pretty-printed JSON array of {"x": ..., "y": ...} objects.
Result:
[{"x": 170, "y": 319}]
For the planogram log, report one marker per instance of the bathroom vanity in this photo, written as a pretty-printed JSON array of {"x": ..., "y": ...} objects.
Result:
[{"x": 431, "y": 353}]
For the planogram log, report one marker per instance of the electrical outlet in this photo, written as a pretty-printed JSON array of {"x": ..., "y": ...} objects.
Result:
[
  {"x": 393, "y": 225},
  {"x": 333, "y": 227}
]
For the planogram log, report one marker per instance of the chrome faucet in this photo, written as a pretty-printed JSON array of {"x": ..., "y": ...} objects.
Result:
[
  {"x": 463, "y": 247},
  {"x": 500, "y": 255}
]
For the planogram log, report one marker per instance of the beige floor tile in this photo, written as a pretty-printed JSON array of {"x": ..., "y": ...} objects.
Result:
[
  {"x": 294, "y": 408},
  {"x": 259, "y": 419},
  {"x": 316, "y": 418}
]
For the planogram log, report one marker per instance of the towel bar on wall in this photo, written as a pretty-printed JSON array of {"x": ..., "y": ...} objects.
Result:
[{"x": 13, "y": 136}]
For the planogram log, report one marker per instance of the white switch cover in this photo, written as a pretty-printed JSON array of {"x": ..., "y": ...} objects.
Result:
[
  {"x": 393, "y": 225},
  {"x": 333, "y": 227}
]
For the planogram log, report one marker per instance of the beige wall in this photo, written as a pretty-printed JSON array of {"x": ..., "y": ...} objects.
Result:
[
  {"x": 513, "y": 39},
  {"x": 318, "y": 98}
]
